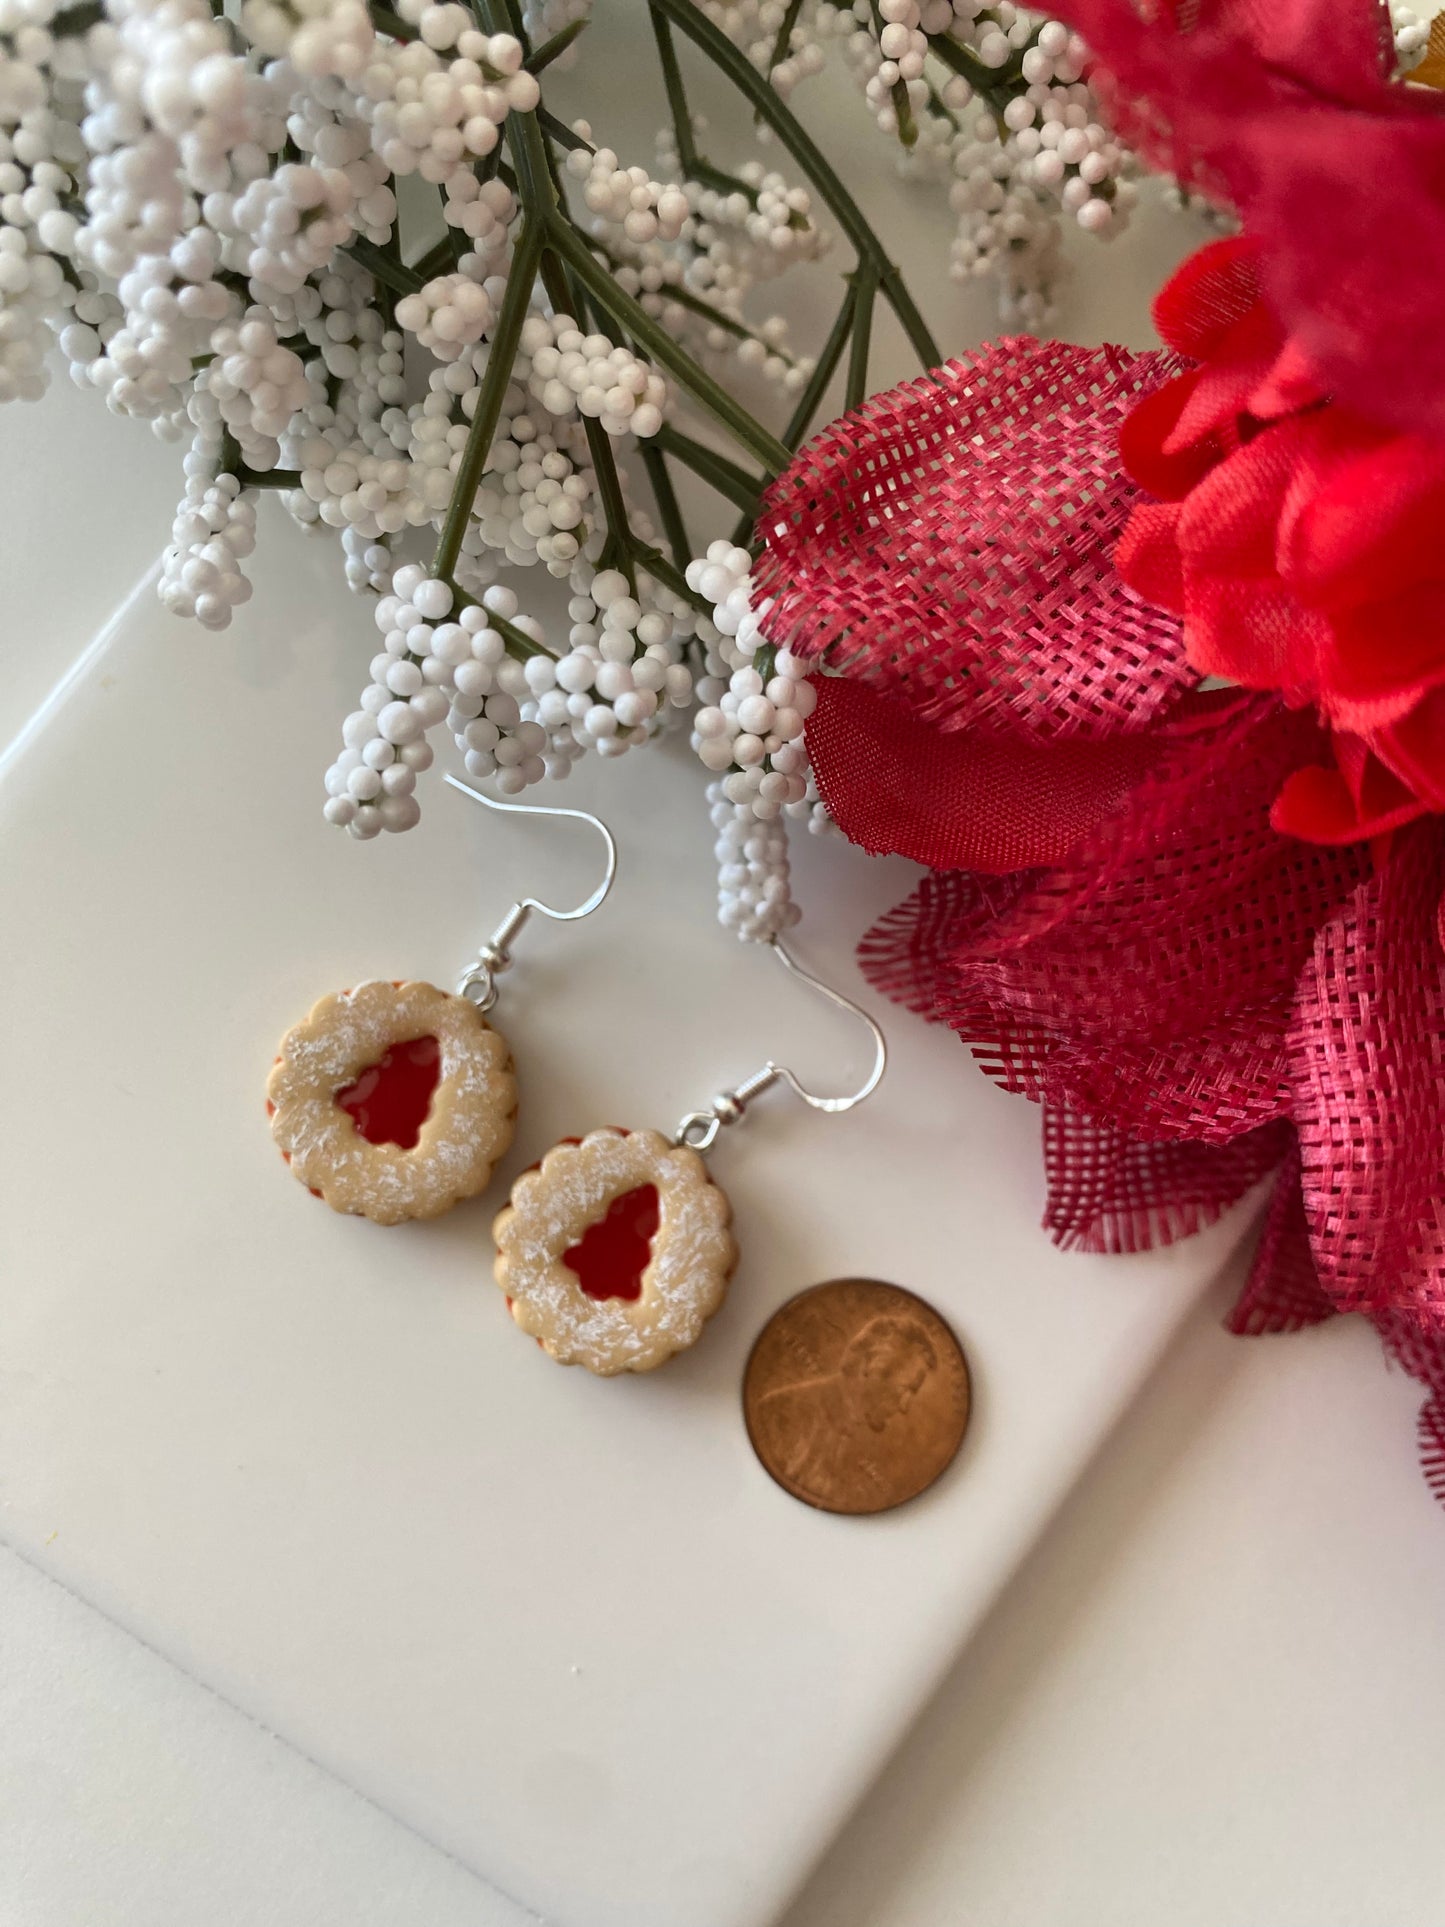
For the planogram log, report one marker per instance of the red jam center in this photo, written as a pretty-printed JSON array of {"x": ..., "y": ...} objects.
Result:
[
  {"x": 613, "y": 1253},
  {"x": 390, "y": 1101}
]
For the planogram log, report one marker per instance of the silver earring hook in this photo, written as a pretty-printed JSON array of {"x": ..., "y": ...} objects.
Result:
[
  {"x": 699, "y": 1129},
  {"x": 478, "y": 984}
]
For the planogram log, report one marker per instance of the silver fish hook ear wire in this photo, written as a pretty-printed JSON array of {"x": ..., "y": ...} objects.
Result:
[
  {"x": 479, "y": 982},
  {"x": 699, "y": 1129}
]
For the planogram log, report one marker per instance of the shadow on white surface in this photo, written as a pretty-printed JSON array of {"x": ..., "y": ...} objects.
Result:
[
  {"x": 1213, "y": 1694},
  {"x": 131, "y": 1796}
]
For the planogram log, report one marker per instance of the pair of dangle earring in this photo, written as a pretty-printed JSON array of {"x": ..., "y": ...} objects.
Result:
[{"x": 396, "y": 1101}]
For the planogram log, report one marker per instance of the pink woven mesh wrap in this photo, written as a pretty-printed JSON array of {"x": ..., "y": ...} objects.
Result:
[
  {"x": 1285, "y": 108},
  {"x": 1033, "y": 517},
  {"x": 1111, "y": 925}
]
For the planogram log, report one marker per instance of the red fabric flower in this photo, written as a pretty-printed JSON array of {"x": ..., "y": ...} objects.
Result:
[
  {"x": 1301, "y": 543},
  {"x": 1287, "y": 110},
  {"x": 1115, "y": 923},
  {"x": 1112, "y": 925}
]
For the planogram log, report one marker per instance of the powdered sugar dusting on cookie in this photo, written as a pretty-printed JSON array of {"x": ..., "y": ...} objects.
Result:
[
  {"x": 686, "y": 1276},
  {"x": 468, "y": 1127}
]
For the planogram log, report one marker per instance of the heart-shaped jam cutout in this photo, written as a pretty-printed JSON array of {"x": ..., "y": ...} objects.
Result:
[
  {"x": 612, "y": 1254},
  {"x": 391, "y": 1100}
]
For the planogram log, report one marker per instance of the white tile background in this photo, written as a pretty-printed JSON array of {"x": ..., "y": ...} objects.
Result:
[{"x": 1213, "y": 1696}]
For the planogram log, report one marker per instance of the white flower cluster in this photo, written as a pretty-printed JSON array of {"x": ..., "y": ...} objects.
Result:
[
  {"x": 214, "y": 531},
  {"x": 429, "y": 114},
  {"x": 199, "y": 207},
  {"x": 693, "y": 251},
  {"x": 627, "y": 197},
  {"x": 448, "y": 315},
  {"x": 320, "y": 37},
  {"x": 987, "y": 97},
  {"x": 754, "y": 897},
  {"x": 622, "y": 669},
  {"x": 572, "y": 373},
  {"x": 755, "y": 702},
  {"x": 39, "y": 154},
  {"x": 1411, "y": 32},
  {"x": 516, "y": 711}
]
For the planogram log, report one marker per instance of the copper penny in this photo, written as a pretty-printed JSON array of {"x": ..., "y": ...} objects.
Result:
[{"x": 856, "y": 1396}]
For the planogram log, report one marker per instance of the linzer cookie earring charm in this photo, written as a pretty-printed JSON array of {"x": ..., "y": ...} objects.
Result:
[
  {"x": 615, "y": 1250},
  {"x": 395, "y": 1100}
]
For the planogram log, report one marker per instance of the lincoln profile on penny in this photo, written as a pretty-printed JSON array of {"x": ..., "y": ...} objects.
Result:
[{"x": 856, "y": 1395}]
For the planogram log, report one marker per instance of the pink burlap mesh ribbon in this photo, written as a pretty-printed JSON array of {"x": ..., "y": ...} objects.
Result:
[{"x": 1111, "y": 925}]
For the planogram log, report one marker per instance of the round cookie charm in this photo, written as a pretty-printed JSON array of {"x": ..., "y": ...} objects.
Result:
[
  {"x": 393, "y": 1101},
  {"x": 615, "y": 1250}
]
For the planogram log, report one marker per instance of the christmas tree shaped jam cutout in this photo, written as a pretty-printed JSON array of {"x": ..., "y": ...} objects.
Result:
[
  {"x": 612, "y": 1254},
  {"x": 391, "y": 1100}
]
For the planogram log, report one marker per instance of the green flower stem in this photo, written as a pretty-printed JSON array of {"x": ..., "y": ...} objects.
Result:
[
  {"x": 865, "y": 289},
  {"x": 76, "y": 20},
  {"x": 511, "y": 22},
  {"x": 801, "y": 418},
  {"x": 389, "y": 23},
  {"x": 559, "y": 131},
  {"x": 501, "y": 356},
  {"x": 266, "y": 477},
  {"x": 689, "y": 19},
  {"x": 808, "y": 402},
  {"x": 665, "y": 496},
  {"x": 939, "y": 110},
  {"x": 518, "y": 643},
  {"x": 558, "y": 44},
  {"x": 784, "y": 36},
  {"x": 380, "y": 266},
  {"x": 716, "y": 470},
  {"x": 527, "y": 145},
  {"x": 672, "y": 82},
  {"x": 617, "y": 550},
  {"x": 902, "y": 105},
  {"x": 663, "y": 571},
  {"x": 695, "y": 166},
  {"x": 436, "y": 260},
  {"x": 659, "y": 344}
]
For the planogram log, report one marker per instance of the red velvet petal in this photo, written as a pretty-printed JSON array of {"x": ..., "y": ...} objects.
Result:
[
  {"x": 1316, "y": 804},
  {"x": 1381, "y": 659},
  {"x": 1146, "y": 442},
  {"x": 1291, "y": 386},
  {"x": 1206, "y": 297},
  {"x": 1366, "y": 513},
  {"x": 1148, "y": 555},
  {"x": 1414, "y": 748},
  {"x": 1220, "y": 398}
]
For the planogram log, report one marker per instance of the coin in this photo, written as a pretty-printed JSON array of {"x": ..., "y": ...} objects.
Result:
[{"x": 856, "y": 1396}]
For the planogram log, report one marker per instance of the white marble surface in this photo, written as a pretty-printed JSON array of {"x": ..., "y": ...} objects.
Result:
[
  {"x": 566, "y": 1628},
  {"x": 1212, "y": 1695}
]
